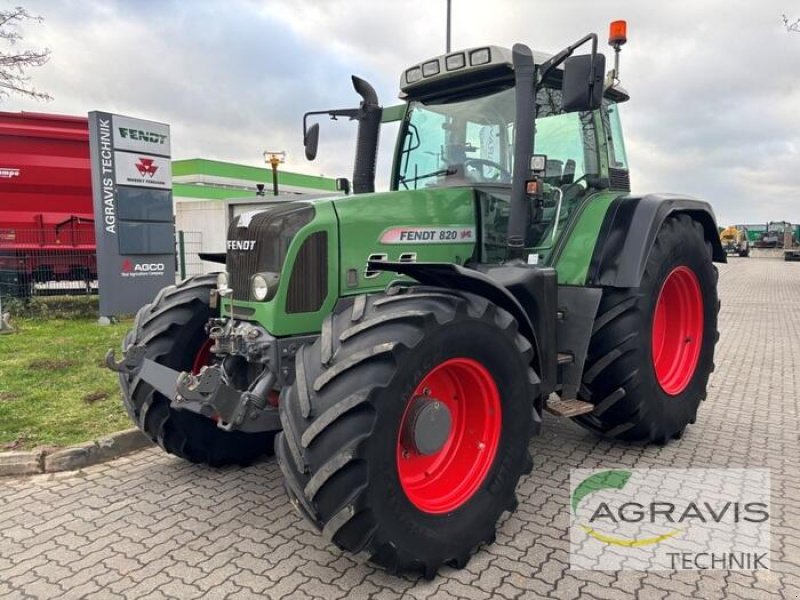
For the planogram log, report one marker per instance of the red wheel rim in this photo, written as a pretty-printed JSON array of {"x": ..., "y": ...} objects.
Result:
[
  {"x": 203, "y": 356},
  {"x": 677, "y": 330},
  {"x": 445, "y": 480}
]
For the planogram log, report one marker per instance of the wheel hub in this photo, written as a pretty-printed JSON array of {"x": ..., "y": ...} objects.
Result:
[
  {"x": 677, "y": 335},
  {"x": 449, "y": 435},
  {"x": 427, "y": 426}
]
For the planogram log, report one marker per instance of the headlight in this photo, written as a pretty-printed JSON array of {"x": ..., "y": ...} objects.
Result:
[
  {"x": 455, "y": 61},
  {"x": 222, "y": 281},
  {"x": 430, "y": 68},
  {"x": 480, "y": 57},
  {"x": 413, "y": 75},
  {"x": 260, "y": 288}
]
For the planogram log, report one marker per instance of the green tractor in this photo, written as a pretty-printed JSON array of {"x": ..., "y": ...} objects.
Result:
[{"x": 406, "y": 344}]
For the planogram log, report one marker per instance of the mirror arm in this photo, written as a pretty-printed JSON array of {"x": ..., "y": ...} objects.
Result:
[
  {"x": 352, "y": 113},
  {"x": 559, "y": 58}
]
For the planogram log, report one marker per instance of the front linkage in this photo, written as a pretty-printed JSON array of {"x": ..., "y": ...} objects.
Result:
[{"x": 219, "y": 391}]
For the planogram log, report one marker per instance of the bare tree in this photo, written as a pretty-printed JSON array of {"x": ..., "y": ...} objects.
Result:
[
  {"x": 791, "y": 26},
  {"x": 14, "y": 62}
]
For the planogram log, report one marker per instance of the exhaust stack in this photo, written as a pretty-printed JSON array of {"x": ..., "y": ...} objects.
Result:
[{"x": 369, "y": 125}]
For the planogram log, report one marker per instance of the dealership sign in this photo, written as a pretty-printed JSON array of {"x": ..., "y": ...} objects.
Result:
[{"x": 134, "y": 223}]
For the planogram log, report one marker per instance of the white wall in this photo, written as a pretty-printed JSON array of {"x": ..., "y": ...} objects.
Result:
[
  {"x": 205, "y": 225},
  {"x": 205, "y": 216}
]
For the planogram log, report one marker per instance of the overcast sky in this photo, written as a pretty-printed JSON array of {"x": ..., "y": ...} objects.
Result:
[{"x": 715, "y": 84}]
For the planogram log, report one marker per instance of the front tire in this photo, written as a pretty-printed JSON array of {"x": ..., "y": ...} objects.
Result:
[
  {"x": 348, "y": 450},
  {"x": 652, "y": 347},
  {"x": 173, "y": 331}
]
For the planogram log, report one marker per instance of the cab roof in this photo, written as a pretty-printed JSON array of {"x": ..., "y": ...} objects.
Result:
[{"x": 479, "y": 66}]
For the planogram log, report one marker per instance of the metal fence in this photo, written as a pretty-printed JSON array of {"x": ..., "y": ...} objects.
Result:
[
  {"x": 47, "y": 262},
  {"x": 188, "y": 246}
]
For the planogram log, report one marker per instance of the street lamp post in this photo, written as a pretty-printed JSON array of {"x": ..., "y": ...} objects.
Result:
[
  {"x": 274, "y": 159},
  {"x": 449, "y": 8}
]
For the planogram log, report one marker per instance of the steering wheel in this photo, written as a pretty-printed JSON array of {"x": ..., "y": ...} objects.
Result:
[{"x": 478, "y": 165}]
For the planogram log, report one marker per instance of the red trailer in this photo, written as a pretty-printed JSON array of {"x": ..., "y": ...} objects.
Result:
[{"x": 46, "y": 217}]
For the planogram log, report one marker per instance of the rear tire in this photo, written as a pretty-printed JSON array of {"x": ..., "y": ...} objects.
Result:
[
  {"x": 342, "y": 449},
  {"x": 646, "y": 392},
  {"x": 173, "y": 330}
]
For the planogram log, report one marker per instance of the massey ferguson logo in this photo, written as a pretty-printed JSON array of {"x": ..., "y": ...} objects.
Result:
[
  {"x": 132, "y": 269},
  {"x": 8, "y": 173},
  {"x": 241, "y": 245},
  {"x": 146, "y": 167}
]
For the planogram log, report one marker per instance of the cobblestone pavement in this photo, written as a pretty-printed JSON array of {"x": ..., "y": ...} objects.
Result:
[{"x": 151, "y": 526}]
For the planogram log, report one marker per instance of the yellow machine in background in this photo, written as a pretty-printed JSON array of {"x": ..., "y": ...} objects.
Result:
[{"x": 734, "y": 241}]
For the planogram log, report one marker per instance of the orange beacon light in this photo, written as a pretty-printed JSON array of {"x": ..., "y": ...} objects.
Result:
[{"x": 618, "y": 33}]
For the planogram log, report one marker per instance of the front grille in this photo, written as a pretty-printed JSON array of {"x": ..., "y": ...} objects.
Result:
[
  {"x": 241, "y": 264},
  {"x": 308, "y": 286},
  {"x": 264, "y": 243},
  {"x": 619, "y": 179}
]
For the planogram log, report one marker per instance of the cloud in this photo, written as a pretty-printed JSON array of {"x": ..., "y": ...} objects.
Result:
[
  {"x": 231, "y": 82},
  {"x": 714, "y": 84}
]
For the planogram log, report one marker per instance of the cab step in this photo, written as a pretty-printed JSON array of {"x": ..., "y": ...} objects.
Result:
[
  {"x": 565, "y": 358},
  {"x": 567, "y": 408}
]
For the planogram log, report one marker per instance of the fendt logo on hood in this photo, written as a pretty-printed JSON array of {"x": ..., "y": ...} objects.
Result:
[
  {"x": 146, "y": 167},
  {"x": 246, "y": 245},
  {"x": 132, "y": 269}
]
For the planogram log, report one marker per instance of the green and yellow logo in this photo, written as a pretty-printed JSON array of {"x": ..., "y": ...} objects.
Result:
[{"x": 612, "y": 480}]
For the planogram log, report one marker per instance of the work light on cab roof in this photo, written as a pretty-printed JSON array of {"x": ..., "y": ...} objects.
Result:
[
  {"x": 456, "y": 63},
  {"x": 479, "y": 62}
]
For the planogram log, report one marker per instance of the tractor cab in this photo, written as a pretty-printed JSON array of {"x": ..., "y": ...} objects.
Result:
[
  {"x": 533, "y": 135},
  {"x": 460, "y": 126}
]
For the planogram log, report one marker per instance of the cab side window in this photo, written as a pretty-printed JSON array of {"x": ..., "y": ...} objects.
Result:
[{"x": 617, "y": 158}]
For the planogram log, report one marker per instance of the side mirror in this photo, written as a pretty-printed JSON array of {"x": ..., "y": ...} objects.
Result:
[
  {"x": 582, "y": 85},
  {"x": 311, "y": 141},
  {"x": 343, "y": 185}
]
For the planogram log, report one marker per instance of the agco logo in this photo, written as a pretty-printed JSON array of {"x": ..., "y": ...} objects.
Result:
[
  {"x": 132, "y": 269},
  {"x": 145, "y": 166},
  {"x": 245, "y": 245}
]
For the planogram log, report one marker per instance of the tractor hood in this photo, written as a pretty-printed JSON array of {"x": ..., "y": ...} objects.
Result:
[
  {"x": 312, "y": 252},
  {"x": 433, "y": 224}
]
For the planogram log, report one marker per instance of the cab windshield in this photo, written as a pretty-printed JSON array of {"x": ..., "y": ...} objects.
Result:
[{"x": 471, "y": 142}]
